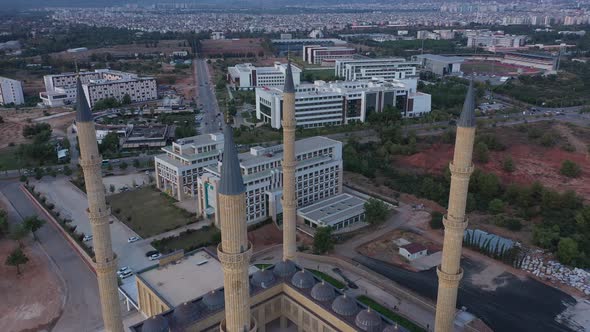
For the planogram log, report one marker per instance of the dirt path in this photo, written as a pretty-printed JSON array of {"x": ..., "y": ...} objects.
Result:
[{"x": 577, "y": 143}]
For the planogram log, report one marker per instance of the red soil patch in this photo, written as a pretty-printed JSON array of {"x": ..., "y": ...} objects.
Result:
[
  {"x": 266, "y": 236},
  {"x": 33, "y": 300},
  {"x": 533, "y": 163}
]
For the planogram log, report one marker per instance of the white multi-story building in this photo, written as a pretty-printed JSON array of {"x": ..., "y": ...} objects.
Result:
[
  {"x": 330, "y": 104},
  {"x": 484, "y": 39},
  {"x": 246, "y": 76},
  {"x": 324, "y": 55},
  {"x": 11, "y": 92},
  {"x": 97, "y": 85},
  {"x": 178, "y": 169},
  {"x": 383, "y": 68},
  {"x": 319, "y": 176}
]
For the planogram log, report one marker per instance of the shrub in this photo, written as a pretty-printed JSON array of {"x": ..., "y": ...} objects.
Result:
[
  {"x": 570, "y": 169},
  {"x": 436, "y": 220},
  {"x": 481, "y": 153},
  {"x": 508, "y": 164},
  {"x": 496, "y": 206},
  {"x": 23, "y": 178},
  {"x": 117, "y": 210}
]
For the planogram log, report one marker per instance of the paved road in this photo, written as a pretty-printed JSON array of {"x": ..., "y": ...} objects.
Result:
[
  {"x": 82, "y": 308},
  {"x": 206, "y": 98}
]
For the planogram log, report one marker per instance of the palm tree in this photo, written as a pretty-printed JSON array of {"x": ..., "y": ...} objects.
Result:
[{"x": 17, "y": 258}]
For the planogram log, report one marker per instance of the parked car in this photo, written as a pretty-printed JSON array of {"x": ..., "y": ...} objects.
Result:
[
  {"x": 155, "y": 256},
  {"x": 151, "y": 252},
  {"x": 133, "y": 239},
  {"x": 126, "y": 274},
  {"x": 123, "y": 270},
  {"x": 87, "y": 238}
]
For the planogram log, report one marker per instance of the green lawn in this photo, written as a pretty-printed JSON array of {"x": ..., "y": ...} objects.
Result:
[
  {"x": 263, "y": 266},
  {"x": 148, "y": 212},
  {"x": 329, "y": 279},
  {"x": 320, "y": 74},
  {"x": 408, "y": 324},
  {"x": 8, "y": 159},
  {"x": 189, "y": 240}
]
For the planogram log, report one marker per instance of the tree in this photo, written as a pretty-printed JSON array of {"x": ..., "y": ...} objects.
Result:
[
  {"x": 18, "y": 233},
  {"x": 32, "y": 224},
  {"x": 375, "y": 211},
  {"x": 567, "y": 251},
  {"x": 67, "y": 170},
  {"x": 109, "y": 143},
  {"x": 323, "y": 241},
  {"x": 123, "y": 165},
  {"x": 17, "y": 258},
  {"x": 508, "y": 164},
  {"x": 436, "y": 220},
  {"x": 496, "y": 206},
  {"x": 136, "y": 163},
  {"x": 126, "y": 99},
  {"x": 570, "y": 169},
  {"x": 112, "y": 188},
  {"x": 480, "y": 152},
  {"x": 4, "y": 227}
]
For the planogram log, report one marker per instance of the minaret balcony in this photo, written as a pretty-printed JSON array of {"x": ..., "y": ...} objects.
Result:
[{"x": 455, "y": 170}]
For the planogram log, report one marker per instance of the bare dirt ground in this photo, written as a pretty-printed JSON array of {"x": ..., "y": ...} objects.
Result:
[
  {"x": 16, "y": 120},
  {"x": 164, "y": 46},
  {"x": 533, "y": 162},
  {"x": 32, "y": 301},
  {"x": 238, "y": 46},
  {"x": 265, "y": 236}
]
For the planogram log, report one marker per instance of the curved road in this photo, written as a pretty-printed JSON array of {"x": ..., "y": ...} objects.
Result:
[{"x": 82, "y": 308}]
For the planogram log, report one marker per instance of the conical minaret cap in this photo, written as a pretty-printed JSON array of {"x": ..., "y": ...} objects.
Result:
[
  {"x": 231, "y": 182},
  {"x": 289, "y": 85},
  {"x": 467, "y": 118},
  {"x": 83, "y": 113}
]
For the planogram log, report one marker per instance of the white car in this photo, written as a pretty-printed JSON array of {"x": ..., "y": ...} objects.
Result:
[
  {"x": 126, "y": 274},
  {"x": 133, "y": 239},
  {"x": 87, "y": 238},
  {"x": 123, "y": 270},
  {"x": 155, "y": 256}
]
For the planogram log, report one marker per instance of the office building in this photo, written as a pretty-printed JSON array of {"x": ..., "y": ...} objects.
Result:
[
  {"x": 184, "y": 161},
  {"x": 483, "y": 39},
  {"x": 383, "y": 68},
  {"x": 439, "y": 64},
  {"x": 335, "y": 103},
  {"x": 11, "y": 92},
  {"x": 326, "y": 55},
  {"x": 97, "y": 85},
  {"x": 291, "y": 45},
  {"x": 319, "y": 175},
  {"x": 246, "y": 76}
]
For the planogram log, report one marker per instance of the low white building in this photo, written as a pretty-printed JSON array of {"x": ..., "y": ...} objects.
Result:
[
  {"x": 383, "y": 68},
  {"x": 440, "y": 64},
  {"x": 413, "y": 251},
  {"x": 11, "y": 92},
  {"x": 336, "y": 103},
  {"x": 246, "y": 76},
  {"x": 97, "y": 85},
  {"x": 338, "y": 212}
]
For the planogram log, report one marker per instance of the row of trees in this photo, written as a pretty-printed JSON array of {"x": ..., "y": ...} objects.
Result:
[{"x": 18, "y": 232}]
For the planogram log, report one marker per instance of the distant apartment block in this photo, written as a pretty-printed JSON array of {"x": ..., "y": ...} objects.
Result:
[
  {"x": 318, "y": 177},
  {"x": 436, "y": 34},
  {"x": 439, "y": 64},
  {"x": 246, "y": 76},
  {"x": 11, "y": 92},
  {"x": 99, "y": 84},
  {"x": 326, "y": 55},
  {"x": 384, "y": 68},
  {"x": 335, "y": 103},
  {"x": 182, "y": 163}
]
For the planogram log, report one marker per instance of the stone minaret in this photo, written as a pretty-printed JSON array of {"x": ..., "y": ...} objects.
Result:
[
  {"x": 450, "y": 272},
  {"x": 234, "y": 251},
  {"x": 106, "y": 262},
  {"x": 289, "y": 165}
]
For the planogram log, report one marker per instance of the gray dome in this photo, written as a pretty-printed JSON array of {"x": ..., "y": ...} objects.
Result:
[
  {"x": 345, "y": 306},
  {"x": 368, "y": 320},
  {"x": 262, "y": 278},
  {"x": 303, "y": 279},
  {"x": 185, "y": 314},
  {"x": 214, "y": 300},
  {"x": 323, "y": 292},
  {"x": 284, "y": 268},
  {"x": 155, "y": 324}
]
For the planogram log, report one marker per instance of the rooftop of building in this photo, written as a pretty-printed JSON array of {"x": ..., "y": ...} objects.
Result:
[
  {"x": 370, "y": 60},
  {"x": 413, "y": 248},
  {"x": 175, "y": 282},
  {"x": 284, "y": 274},
  {"x": 308, "y": 40},
  {"x": 278, "y": 67},
  {"x": 338, "y": 87},
  {"x": 201, "y": 140},
  {"x": 333, "y": 210},
  {"x": 151, "y": 132},
  {"x": 441, "y": 58}
]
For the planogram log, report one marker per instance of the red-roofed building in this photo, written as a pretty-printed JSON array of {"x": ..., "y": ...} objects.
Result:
[{"x": 412, "y": 251}]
